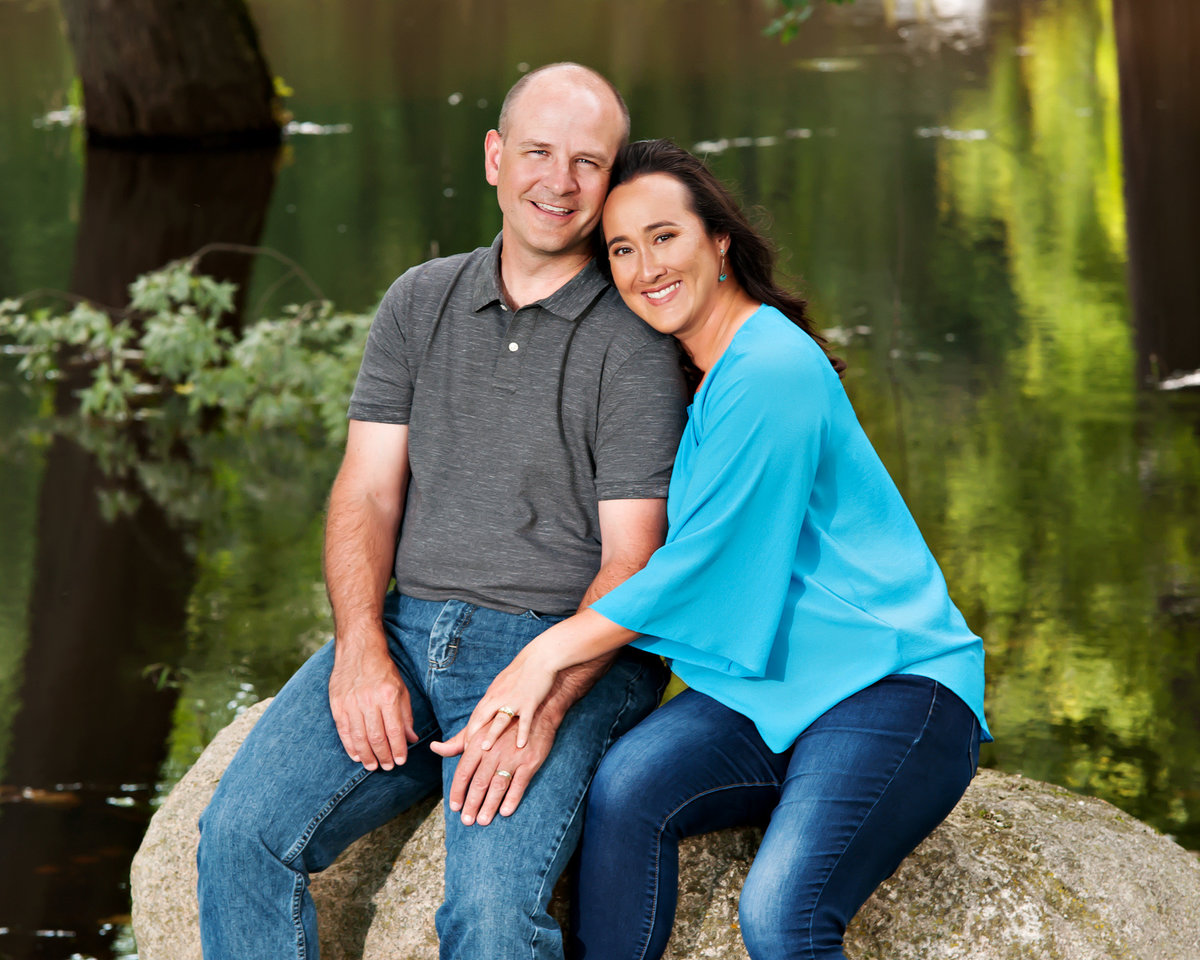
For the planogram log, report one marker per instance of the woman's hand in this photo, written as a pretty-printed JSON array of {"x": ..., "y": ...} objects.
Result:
[
  {"x": 516, "y": 693},
  {"x": 521, "y": 687}
]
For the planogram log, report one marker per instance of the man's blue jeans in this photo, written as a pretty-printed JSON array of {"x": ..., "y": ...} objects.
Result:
[
  {"x": 854, "y": 795},
  {"x": 292, "y": 800}
]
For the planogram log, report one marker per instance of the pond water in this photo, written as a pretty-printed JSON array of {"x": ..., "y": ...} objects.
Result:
[{"x": 947, "y": 182}]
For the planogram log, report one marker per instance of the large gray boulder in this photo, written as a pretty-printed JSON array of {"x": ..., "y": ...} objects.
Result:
[{"x": 1020, "y": 869}]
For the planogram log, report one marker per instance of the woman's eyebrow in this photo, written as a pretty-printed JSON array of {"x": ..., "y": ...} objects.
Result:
[{"x": 649, "y": 228}]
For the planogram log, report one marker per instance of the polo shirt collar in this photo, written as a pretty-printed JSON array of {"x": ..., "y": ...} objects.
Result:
[{"x": 568, "y": 301}]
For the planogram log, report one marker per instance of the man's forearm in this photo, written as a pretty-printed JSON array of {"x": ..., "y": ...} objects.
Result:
[
  {"x": 360, "y": 546},
  {"x": 573, "y": 682}
]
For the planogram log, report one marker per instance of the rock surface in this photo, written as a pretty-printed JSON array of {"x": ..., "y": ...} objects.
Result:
[{"x": 1020, "y": 869}]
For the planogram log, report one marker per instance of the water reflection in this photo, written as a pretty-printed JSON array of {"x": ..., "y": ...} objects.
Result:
[
  {"x": 946, "y": 179},
  {"x": 1160, "y": 101},
  {"x": 112, "y": 573}
]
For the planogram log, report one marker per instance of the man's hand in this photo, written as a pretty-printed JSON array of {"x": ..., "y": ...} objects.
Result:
[
  {"x": 371, "y": 707},
  {"x": 478, "y": 789}
]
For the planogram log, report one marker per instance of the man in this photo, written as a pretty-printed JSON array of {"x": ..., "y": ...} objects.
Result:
[{"x": 511, "y": 435}]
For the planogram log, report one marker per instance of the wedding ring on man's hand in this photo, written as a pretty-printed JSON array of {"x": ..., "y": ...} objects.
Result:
[
  {"x": 504, "y": 773},
  {"x": 508, "y": 712}
]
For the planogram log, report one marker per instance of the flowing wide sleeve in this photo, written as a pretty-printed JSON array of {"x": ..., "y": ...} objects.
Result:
[{"x": 715, "y": 595}]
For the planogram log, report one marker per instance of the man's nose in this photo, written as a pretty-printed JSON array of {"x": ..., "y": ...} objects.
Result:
[{"x": 561, "y": 178}]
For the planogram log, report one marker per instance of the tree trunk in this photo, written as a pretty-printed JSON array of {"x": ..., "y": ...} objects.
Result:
[
  {"x": 143, "y": 208},
  {"x": 1158, "y": 53},
  {"x": 109, "y": 596},
  {"x": 171, "y": 72}
]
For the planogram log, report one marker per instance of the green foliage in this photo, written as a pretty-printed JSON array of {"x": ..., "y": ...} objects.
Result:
[
  {"x": 172, "y": 347},
  {"x": 795, "y": 12}
]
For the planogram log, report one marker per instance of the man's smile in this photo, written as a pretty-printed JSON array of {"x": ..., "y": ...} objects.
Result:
[{"x": 552, "y": 209}]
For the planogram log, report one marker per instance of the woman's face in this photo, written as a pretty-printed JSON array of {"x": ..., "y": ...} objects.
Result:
[{"x": 664, "y": 263}]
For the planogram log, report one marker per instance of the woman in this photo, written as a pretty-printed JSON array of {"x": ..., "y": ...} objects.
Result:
[{"x": 835, "y": 690}]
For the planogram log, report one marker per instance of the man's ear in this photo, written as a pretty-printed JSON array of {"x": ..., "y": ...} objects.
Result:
[{"x": 492, "y": 146}]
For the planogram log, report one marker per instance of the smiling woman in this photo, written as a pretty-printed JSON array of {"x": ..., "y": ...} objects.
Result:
[
  {"x": 684, "y": 254},
  {"x": 660, "y": 252}
]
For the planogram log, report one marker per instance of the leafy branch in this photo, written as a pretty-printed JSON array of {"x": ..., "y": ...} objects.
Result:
[
  {"x": 170, "y": 347},
  {"x": 795, "y": 12}
]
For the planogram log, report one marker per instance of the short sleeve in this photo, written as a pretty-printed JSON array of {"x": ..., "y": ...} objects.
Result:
[
  {"x": 716, "y": 593},
  {"x": 384, "y": 387},
  {"x": 639, "y": 419}
]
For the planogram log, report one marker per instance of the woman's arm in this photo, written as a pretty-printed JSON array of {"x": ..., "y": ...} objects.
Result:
[{"x": 522, "y": 686}]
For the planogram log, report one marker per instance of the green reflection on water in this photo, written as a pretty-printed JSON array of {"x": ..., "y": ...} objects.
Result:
[
  {"x": 18, "y": 488},
  {"x": 258, "y": 607}
]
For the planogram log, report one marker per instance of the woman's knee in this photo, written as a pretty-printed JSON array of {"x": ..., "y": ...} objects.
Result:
[
  {"x": 785, "y": 917},
  {"x": 623, "y": 783}
]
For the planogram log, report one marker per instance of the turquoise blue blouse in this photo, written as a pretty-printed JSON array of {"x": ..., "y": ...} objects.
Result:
[{"x": 793, "y": 574}]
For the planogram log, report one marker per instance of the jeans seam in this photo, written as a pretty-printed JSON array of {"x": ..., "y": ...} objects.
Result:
[
  {"x": 863, "y": 819},
  {"x": 310, "y": 828},
  {"x": 297, "y": 920},
  {"x": 658, "y": 835},
  {"x": 581, "y": 795},
  {"x": 609, "y": 739}
]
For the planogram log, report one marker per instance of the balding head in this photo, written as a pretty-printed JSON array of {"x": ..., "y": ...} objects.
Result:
[{"x": 561, "y": 74}]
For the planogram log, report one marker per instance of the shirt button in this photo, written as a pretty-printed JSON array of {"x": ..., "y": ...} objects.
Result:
[{"x": 514, "y": 347}]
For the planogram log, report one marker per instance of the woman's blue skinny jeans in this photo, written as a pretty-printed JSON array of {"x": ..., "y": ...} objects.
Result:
[{"x": 856, "y": 793}]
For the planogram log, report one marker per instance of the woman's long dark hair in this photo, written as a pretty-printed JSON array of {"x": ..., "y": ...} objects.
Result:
[{"x": 751, "y": 256}]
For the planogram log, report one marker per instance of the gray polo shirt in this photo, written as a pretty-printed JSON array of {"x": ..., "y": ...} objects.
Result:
[{"x": 519, "y": 423}]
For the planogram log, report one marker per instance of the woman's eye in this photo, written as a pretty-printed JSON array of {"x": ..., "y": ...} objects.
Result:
[{"x": 663, "y": 236}]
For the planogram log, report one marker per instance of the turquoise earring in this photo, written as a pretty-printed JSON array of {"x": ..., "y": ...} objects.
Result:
[{"x": 723, "y": 275}]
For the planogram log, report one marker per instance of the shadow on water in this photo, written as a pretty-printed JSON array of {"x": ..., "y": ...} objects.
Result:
[
  {"x": 1159, "y": 67},
  {"x": 110, "y": 586}
]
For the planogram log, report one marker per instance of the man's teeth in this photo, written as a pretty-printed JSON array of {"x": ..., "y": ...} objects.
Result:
[
  {"x": 659, "y": 294},
  {"x": 550, "y": 208}
]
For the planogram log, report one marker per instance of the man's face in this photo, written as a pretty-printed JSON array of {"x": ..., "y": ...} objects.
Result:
[{"x": 551, "y": 168}]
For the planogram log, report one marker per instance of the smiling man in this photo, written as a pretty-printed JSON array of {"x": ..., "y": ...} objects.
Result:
[{"x": 511, "y": 437}]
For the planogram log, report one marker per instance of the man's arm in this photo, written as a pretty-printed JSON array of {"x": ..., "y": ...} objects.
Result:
[
  {"x": 630, "y": 531},
  {"x": 368, "y": 699}
]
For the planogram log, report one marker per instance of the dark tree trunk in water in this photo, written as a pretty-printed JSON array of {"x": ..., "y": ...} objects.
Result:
[
  {"x": 142, "y": 209},
  {"x": 109, "y": 596},
  {"x": 186, "y": 72},
  {"x": 1158, "y": 53}
]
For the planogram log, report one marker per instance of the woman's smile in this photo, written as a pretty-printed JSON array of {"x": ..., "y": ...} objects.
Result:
[{"x": 662, "y": 293}]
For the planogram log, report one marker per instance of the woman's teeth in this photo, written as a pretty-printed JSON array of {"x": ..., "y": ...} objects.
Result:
[{"x": 659, "y": 294}]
